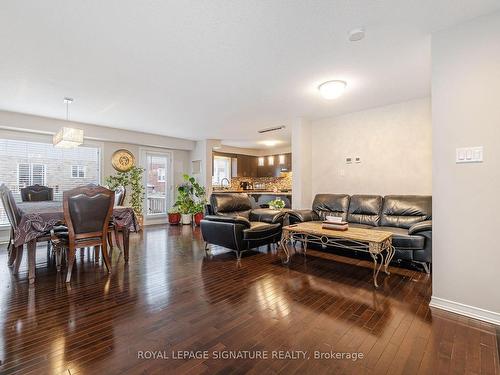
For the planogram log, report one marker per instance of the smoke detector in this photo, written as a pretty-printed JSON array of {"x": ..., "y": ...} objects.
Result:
[{"x": 356, "y": 35}]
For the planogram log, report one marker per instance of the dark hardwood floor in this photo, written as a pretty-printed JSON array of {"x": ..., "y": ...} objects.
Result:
[{"x": 172, "y": 298}]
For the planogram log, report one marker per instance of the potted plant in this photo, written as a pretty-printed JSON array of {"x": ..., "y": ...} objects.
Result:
[
  {"x": 174, "y": 217},
  {"x": 276, "y": 204},
  {"x": 133, "y": 180},
  {"x": 198, "y": 212},
  {"x": 185, "y": 202},
  {"x": 190, "y": 200},
  {"x": 199, "y": 198}
]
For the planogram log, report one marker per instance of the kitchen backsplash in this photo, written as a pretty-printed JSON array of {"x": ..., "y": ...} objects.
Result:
[{"x": 270, "y": 183}]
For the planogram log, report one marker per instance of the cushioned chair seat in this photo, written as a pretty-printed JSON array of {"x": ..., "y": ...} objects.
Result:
[
  {"x": 260, "y": 230},
  {"x": 401, "y": 238}
]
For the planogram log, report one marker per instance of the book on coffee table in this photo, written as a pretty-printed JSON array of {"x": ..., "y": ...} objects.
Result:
[{"x": 342, "y": 225}]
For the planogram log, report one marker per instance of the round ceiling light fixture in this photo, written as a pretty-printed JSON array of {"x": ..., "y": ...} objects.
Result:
[
  {"x": 356, "y": 35},
  {"x": 270, "y": 142},
  {"x": 332, "y": 89}
]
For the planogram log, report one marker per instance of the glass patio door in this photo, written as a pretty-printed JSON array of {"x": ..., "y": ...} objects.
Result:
[{"x": 157, "y": 183}]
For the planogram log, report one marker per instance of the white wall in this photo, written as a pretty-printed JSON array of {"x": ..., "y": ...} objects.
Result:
[
  {"x": 466, "y": 112},
  {"x": 301, "y": 164},
  {"x": 393, "y": 142}
]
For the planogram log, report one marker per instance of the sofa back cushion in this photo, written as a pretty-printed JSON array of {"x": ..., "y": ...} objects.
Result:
[
  {"x": 365, "y": 209},
  {"x": 331, "y": 205},
  {"x": 231, "y": 204},
  {"x": 402, "y": 211}
]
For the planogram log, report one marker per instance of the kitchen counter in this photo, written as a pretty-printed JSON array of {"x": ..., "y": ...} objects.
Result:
[{"x": 255, "y": 192}]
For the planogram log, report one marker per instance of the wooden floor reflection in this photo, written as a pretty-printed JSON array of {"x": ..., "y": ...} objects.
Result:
[{"x": 171, "y": 297}]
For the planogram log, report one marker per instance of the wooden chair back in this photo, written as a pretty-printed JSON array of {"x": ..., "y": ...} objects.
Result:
[
  {"x": 37, "y": 193},
  {"x": 87, "y": 211}
]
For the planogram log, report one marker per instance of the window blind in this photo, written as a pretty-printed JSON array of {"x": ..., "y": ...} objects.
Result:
[{"x": 27, "y": 163}]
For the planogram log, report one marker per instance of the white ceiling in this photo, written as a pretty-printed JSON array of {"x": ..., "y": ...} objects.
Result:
[{"x": 215, "y": 69}]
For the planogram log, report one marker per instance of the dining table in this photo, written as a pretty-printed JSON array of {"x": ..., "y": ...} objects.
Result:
[{"x": 38, "y": 218}]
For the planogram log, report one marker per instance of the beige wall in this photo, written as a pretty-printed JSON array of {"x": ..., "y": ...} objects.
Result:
[
  {"x": 394, "y": 143},
  {"x": 180, "y": 162},
  {"x": 301, "y": 164},
  {"x": 466, "y": 112}
]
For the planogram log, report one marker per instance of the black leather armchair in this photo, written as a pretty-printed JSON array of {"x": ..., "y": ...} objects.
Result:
[{"x": 233, "y": 223}]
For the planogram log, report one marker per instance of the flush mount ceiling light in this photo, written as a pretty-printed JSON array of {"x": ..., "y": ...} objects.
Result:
[
  {"x": 356, "y": 35},
  {"x": 332, "y": 89},
  {"x": 68, "y": 137},
  {"x": 270, "y": 143}
]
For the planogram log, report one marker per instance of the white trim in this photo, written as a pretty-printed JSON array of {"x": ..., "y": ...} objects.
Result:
[
  {"x": 169, "y": 175},
  {"x": 462, "y": 309}
]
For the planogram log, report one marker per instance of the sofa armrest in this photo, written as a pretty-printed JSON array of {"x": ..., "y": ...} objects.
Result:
[
  {"x": 300, "y": 216},
  {"x": 228, "y": 219},
  {"x": 422, "y": 226},
  {"x": 267, "y": 215}
]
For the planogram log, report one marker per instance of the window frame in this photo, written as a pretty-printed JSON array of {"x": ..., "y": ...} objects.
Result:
[
  {"x": 229, "y": 170},
  {"x": 30, "y": 175},
  {"x": 33, "y": 137},
  {"x": 79, "y": 168}
]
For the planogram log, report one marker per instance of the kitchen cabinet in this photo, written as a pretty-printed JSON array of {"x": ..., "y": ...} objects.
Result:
[
  {"x": 247, "y": 166},
  {"x": 274, "y": 170}
]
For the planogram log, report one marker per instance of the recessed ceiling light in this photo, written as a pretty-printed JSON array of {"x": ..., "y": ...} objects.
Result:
[
  {"x": 356, "y": 35},
  {"x": 332, "y": 89},
  {"x": 270, "y": 143}
]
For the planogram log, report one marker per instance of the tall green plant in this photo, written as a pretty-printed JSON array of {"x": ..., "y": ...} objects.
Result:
[
  {"x": 190, "y": 196},
  {"x": 133, "y": 180}
]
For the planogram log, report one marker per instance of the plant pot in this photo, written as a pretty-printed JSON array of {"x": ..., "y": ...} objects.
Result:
[
  {"x": 140, "y": 221},
  {"x": 186, "y": 219},
  {"x": 197, "y": 218},
  {"x": 174, "y": 219}
]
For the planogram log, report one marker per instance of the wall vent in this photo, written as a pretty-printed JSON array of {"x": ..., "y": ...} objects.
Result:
[{"x": 268, "y": 130}]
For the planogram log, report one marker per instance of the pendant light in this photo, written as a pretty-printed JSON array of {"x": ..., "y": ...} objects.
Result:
[{"x": 68, "y": 137}]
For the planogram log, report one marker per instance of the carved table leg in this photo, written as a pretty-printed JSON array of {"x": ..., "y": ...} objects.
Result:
[
  {"x": 286, "y": 237},
  {"x": 125, "y": 233},
  {"x": 31, "y": 260}
]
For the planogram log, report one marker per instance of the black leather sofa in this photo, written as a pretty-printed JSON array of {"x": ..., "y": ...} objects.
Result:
[
  {"x": 234, "y": 223},
  {"x": 408, "y": 217}
]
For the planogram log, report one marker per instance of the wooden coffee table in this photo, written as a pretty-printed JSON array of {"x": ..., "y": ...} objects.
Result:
[{"x": 375, "y": 242}]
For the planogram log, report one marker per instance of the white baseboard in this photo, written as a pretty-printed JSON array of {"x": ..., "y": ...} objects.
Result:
[{"x": 462, "y": 309}]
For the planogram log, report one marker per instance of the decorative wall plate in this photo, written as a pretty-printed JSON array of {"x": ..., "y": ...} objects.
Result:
[{"x": 123, "y": 160}]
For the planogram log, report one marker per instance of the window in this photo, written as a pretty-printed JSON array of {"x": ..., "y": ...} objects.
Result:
[
  {"x": 157, "y": 184},
  {"x": 222, "y": 170},
  {"x": 77, "y": 171},
  {"x": 30, "y": 174},
  {"x": 161, "y": 174},
  {"x": 27, "y": 163}
]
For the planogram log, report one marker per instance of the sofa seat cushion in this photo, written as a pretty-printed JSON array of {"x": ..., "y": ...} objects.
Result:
[
  {"x": 401, "y": 238},
  {"x": 362, "y": 226},
  {"x": 259, "y": 230}
]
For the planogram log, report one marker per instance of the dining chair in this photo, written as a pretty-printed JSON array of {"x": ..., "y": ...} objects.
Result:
[
  {"x": 37, "y": 193},
  {"x": 87, "y": 211},
  {"x": 14, "y": 217},
  {"x": 120, "y": 193},
  {"x": 10, "y": 207}
]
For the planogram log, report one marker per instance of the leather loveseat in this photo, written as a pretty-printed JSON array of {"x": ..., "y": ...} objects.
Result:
[
  {"x": 407, "y": 217},
  {"x": 233, "y": 222}
]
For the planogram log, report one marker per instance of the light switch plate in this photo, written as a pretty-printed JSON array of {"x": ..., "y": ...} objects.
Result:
[{"x": 469, "y": 155}]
